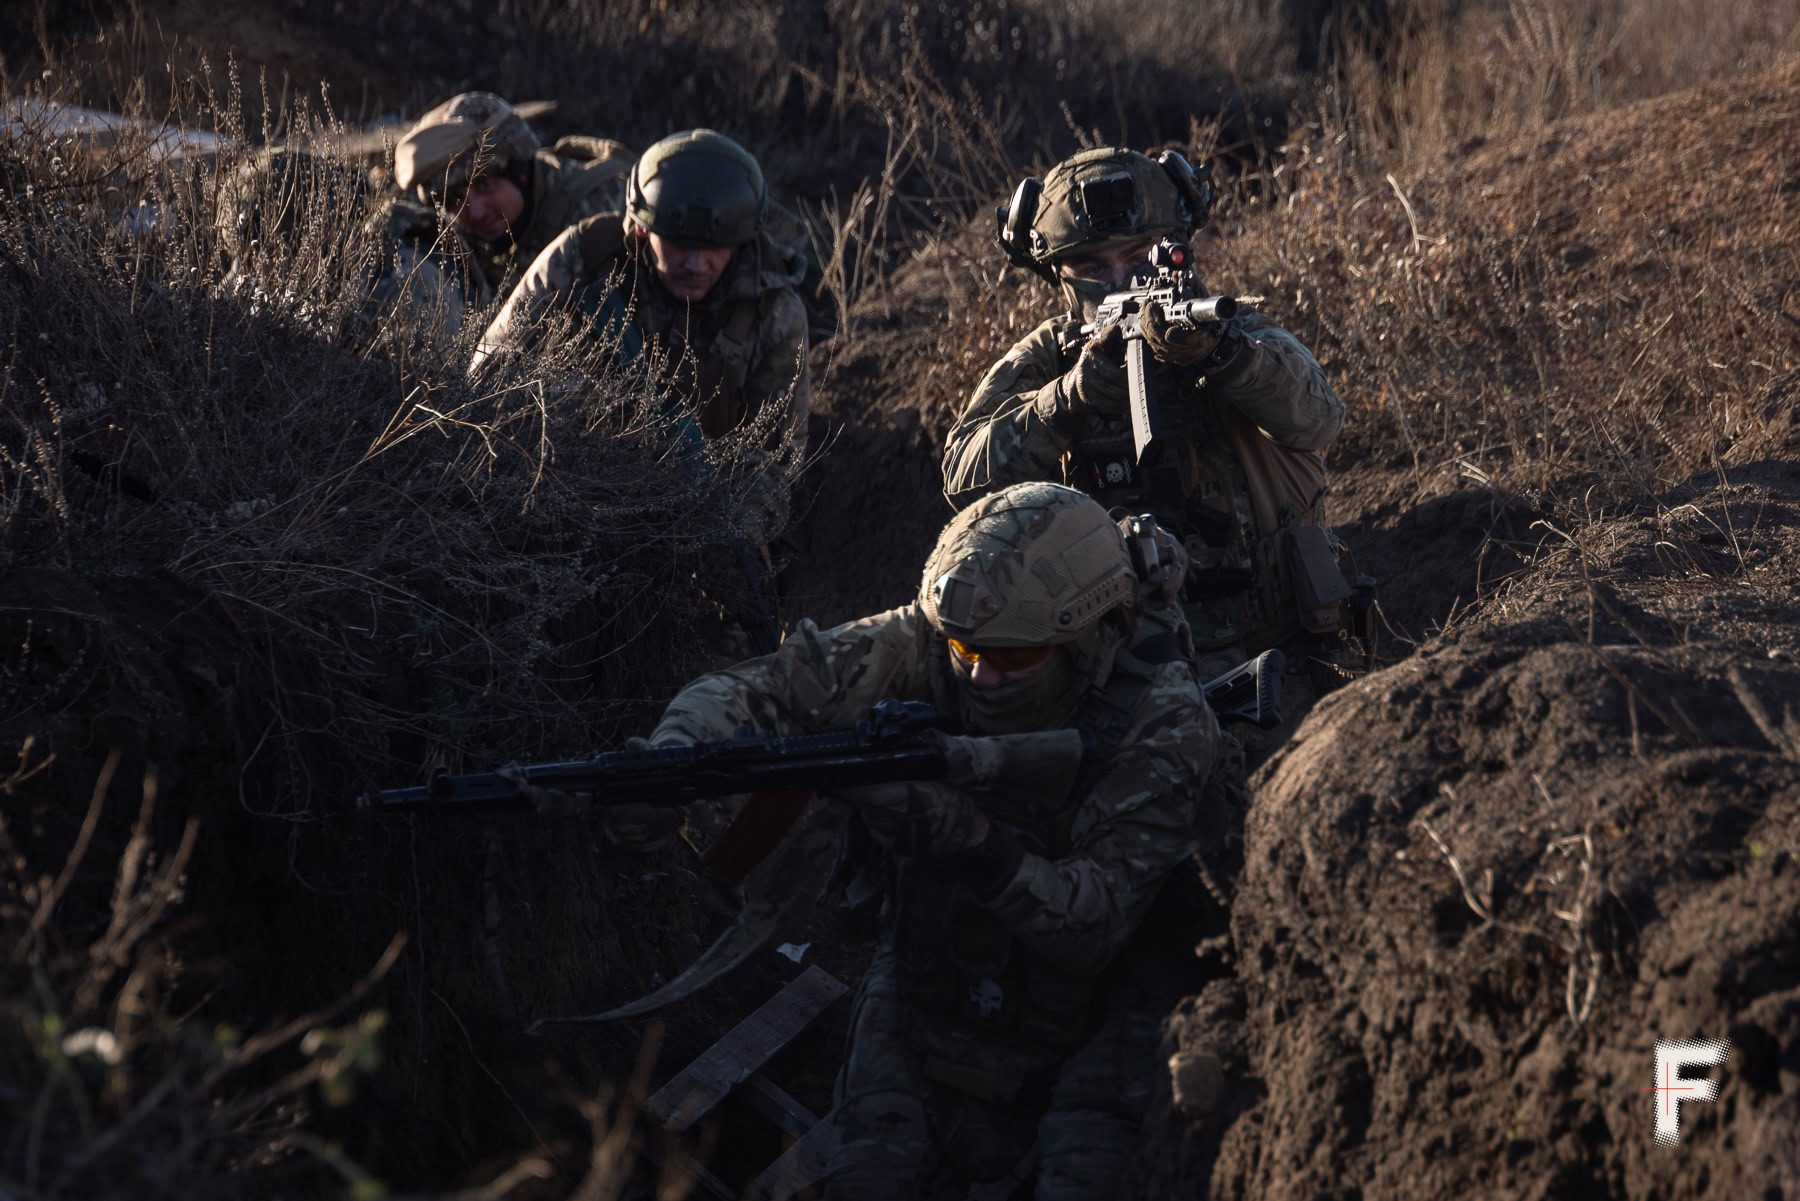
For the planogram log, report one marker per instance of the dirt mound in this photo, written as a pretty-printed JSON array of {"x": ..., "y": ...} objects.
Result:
[
  {"x": 1605, "y": 301},
  {"x": 889, "y": 386},
  {"x": 267, "y": 556},
  {"x": 1480, "y": 885}
]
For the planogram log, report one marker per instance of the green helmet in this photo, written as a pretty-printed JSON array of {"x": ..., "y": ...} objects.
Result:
[
  {"x": 1035, "y": 564},
  {"x": 698, "y": 188},
  {"x": 1100, "y": 197},
  {"x": 447, "y": 144}
]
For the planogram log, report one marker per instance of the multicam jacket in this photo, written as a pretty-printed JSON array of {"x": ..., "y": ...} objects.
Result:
[
  {"x": 731, "y": 356},
  {"x": 1245, "y": 474},
  {"x": 565, "y": 188},
  {"x": 1018, "y": 970}
]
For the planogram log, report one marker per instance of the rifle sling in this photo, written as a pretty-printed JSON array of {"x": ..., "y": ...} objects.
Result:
[
  {"x": 754, "y": 833},
  {"x": 793, "y": 876}
]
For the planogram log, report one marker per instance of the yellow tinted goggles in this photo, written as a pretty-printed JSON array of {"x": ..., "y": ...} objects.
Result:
[{"x": 1002, "y": 658}]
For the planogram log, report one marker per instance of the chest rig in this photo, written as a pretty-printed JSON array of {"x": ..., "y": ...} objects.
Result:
[
  {"x": 1237, "y": 525},
  {"x": 959, "y": 966},
  {"x": 705, "y": 351}
]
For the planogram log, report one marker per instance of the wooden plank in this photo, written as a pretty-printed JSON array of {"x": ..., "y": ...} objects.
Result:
[
  {"x": 800, "y": 1165},
  {"x": 773, "y": 1102},
  {"x": 705, "y": 1180},
  {"x": 745, "y": 1049}
]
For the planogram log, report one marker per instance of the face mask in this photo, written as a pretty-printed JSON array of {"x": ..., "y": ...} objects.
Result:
[
  {"x": 1041, "y": 699},
  {"x": 1045, "y": 699},
  {"x": 1084, "y": 295}
]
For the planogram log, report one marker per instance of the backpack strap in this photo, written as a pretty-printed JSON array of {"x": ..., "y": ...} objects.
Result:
[{"x": 601, "y": 237}]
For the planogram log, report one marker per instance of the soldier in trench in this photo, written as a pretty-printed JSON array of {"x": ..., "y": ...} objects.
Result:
[
  {"x": 1249, "y": 412},
  {"x": 695, "y": 280},
  {"x": 1017, "y": 991},
  {"x": 474, "y": 159}
]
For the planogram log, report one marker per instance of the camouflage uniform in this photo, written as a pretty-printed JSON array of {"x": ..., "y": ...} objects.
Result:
[
  {"x": 1244, "y": 478},
  {"x": 1006, "y": 1004},
  {"x": 731, "y": 357},
  {"x": 477, "y": 133},
  {"x": 733, "y": 354}
]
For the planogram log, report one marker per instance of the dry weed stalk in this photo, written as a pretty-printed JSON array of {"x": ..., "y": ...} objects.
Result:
[
  {"x": 333, "y": 482},
  {"x": 110, "y": 1088}
]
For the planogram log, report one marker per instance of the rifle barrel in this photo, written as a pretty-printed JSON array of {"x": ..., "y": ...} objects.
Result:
[{"x": 1206, "y": 308}]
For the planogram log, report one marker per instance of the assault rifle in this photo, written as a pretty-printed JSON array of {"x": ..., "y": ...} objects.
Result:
[
  {"x": 1177, "y": 290},
  {"x": 900, "y": 740}
]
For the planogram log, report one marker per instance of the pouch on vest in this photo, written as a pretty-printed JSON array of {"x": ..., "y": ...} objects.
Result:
[{"x": 1319, "y": 587}]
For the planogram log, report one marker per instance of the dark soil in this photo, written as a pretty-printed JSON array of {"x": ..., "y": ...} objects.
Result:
[
  {"x": 1583, "y": 782},
  {"x": 1609, "y": 755}
]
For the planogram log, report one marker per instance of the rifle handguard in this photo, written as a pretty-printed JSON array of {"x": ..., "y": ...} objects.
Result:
[{"x": 1031, "y": 760}]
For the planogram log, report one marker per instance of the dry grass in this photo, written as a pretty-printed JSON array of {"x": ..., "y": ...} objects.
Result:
[
  {"x": 396, "y": 572},
  {"x": 1452, "y": 71},
  {"x": 324, "y": 473},
  {"x": 415, "y": 573},
  {"x": 1536, "y": 319},
  {"x": 111, "y": 1087}
]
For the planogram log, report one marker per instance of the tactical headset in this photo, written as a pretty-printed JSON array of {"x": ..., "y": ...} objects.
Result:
[{"x": 1106, "y": 203}]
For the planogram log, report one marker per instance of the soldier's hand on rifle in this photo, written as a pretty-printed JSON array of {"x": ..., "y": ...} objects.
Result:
[
  {"x": 549, "y": 802},
  {"x": 918, "y": 818},
  {"x": 1182, "y": 345},
  {"x": 1096, "y": 383},
  {"x": 640, "y": 828}
]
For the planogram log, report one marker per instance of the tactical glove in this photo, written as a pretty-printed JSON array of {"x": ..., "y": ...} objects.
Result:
[
  {"x": 549, "y": 802},
  {"x": 1095, "y": 384},
  {"x": 640, "y": 828},
  {"x": 1181, "y": 345},
  {"x": 637, "y": 828},
  {"x": 916, "y": 818}
]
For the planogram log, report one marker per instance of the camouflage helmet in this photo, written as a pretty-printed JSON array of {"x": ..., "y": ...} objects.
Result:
[
  {"x": 443, "y": 148},
  {"x": 1035, "y": 564},
  {"x": 698, "y": 188},
  {"x": 1101, "y": 197}
]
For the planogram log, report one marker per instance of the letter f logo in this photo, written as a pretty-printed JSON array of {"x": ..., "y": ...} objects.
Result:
[{"x": 1671, "y": 1057}]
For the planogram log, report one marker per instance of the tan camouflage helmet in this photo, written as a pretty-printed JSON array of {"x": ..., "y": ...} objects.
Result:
[
  {"x": 438, "y": 153},
  {"x": 698, "y": 188},
  {"x": 1035, "y": 564},
  {"x": 1100, "y": 197}
]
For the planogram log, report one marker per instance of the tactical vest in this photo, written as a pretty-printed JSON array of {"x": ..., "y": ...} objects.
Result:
[
  {"x": 707, "y": 350},
  {"x": 1248, "y": 512},
  {"x": 959, "y": 965}
]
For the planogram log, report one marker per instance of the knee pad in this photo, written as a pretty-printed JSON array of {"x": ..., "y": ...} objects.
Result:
[
  {"x": 883, "y": 1150},
  {"x": 1085, "y": 1154}
]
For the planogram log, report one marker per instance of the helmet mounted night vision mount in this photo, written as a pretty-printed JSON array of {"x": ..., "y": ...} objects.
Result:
[{"x": 1101, "y": 196}]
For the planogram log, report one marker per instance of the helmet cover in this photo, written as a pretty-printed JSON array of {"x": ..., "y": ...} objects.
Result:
[{"x": 1036, "y": 564}]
